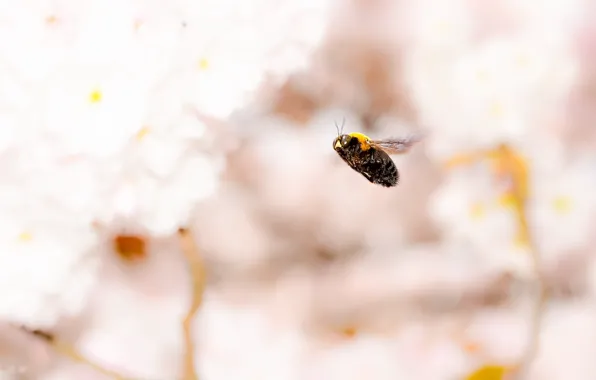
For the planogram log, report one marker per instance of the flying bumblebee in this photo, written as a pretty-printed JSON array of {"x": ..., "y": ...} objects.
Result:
[{"x": 371, "y": 157}]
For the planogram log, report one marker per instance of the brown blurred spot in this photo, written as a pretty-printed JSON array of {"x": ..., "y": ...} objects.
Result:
[
  {"x": 49, "y": 337},
  {"x": 138, "y": 24},
  {"x": 567, "y": 277},
  {"x": 376, "y": 72},
  {"x": 43, "y": 335},
  {"x": 325, "y": 253},
  {"x": 243, "y": 165},
  {"x": 294, "y": 104},
  {"x": 130, "y": 247},
  {"x": 349, "y": 332}
]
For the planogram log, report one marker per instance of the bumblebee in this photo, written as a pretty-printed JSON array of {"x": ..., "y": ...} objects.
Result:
[{"x": 371, "y": 157}]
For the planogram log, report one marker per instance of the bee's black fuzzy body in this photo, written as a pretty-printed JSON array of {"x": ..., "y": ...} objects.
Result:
[{"x": 373, "y": 163}]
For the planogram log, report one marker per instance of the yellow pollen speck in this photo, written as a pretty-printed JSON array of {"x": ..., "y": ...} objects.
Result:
[
  {"x": 25, "y": 236},
  {"x": 143, "y": 132},
  {"x": 562, "y": 204},
  {"x": 522, "y": 60},
  {"x": 203, "y": 64},
  {"x": 51, "y": 19},
  {"x": 482, "y": 76},
  {"x": 496, "y": 109},
  {"x": 507, "y": 200},
  {"x": 138, "y": 24},
  {"x": 477, "y": 210},
  {"x": 521, "y": 240},
  {"x": 95, "y": 96}
]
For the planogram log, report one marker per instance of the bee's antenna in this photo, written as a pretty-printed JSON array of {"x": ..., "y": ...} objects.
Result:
[{"x": 340, "y": 130}]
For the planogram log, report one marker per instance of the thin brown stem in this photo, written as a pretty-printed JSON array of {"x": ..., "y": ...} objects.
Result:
[
  {"x": 538, "y": 311},
  {"x": 67, "y": 350},
  {"x": 198, "y": 275},
  {"x": 521, "y": 191},
  {"x": 514, "y": 167}
]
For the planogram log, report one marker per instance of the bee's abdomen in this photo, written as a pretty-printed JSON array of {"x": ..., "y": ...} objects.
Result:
[
  {"x": 381, "y": 169},
  {"x": 389, "y": 175}
]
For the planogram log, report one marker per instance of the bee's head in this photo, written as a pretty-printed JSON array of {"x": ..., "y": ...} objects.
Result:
[{"x": 341, "y": 141}]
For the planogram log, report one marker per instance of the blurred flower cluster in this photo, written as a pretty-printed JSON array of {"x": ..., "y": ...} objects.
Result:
[{"x": 128, "y": 126}]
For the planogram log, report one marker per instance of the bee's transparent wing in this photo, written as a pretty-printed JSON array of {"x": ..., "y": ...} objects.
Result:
[{"x": 397, "y": 145}]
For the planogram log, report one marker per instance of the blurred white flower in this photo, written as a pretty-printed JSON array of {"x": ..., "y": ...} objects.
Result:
[
  {"x": 474, "y": 205},
  {"x": 162, "y": 205},
  {"x": 503, "y": 90},
  {"x": 36, "y": 46},
  {"x": 430, "y": 352},
  {"x": 562, "y": 209},
  {"x": 92, "y": 112},
  {"x": 286, "y": 174},
  {"x": 466, "y": 207},
  {"x": 247, "y": 336},
  {"x": 136, "y": 334},
  {"x": 47, "y": 263},
  {"x": 363, "y": 357},
  {"x": 501, "y": 334},
  {"x": 549, "y": 19},
  {"x": 230, "y": 230},
  {"x": 104, "y": 138},
  {"x": 227, "y": 49},
  {"x": 442, "y": 32},
  {"x": 48, "y": 250},
  {"x": 567, "y": 325},
  {"x": 473, "y": 213}
]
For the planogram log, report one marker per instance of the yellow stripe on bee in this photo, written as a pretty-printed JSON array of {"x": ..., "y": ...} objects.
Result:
[{"x": 362, "y": 139}]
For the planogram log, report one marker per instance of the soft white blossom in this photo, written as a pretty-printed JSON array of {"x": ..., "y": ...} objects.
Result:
[
  {"x": 101, "y": 123},
  {"x": 48, "y": 262},
  {"x": 364, "y": 357},
  {"x": 503, "y": 90},
  {"x": 472, "y": 213},
  {"x": 570, "y": 324},
  {"x": 229, "y": 49},
  {"x": 562, "y": 208},
  {"x": 248, "y": 336},
  {"x": 440, "y": 29}
]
